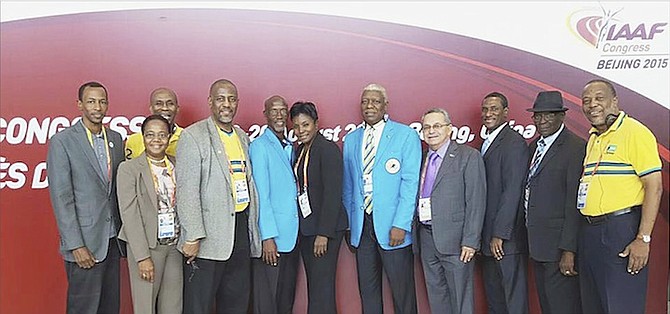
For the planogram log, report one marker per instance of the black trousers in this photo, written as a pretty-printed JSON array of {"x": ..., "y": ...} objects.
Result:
[
  {"x": 320, "y": 273},
  {"x": 225, "y": 283},
  {"x": 506, "y": 283},
  {"x": 558, "y": 293},
  {"x": 398, "y": 265},
  {"x": 606, "y": 285},
  {"x": 274, "y": 286},
  {"x": 95, "y": 290}
]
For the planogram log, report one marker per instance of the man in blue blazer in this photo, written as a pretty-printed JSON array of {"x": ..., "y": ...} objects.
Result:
[
  {"x": 504, "y": 243},
  {"x": 274, "y": 275},
  {"x": 382, "y": 161}
]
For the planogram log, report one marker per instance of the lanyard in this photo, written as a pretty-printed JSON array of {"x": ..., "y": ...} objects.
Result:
[
  {"x": 109, "y": 160},
  {"x": 230, "y": 164},
  {"x": 593, "y": 173},
  {"x": 304, "y": 167}
]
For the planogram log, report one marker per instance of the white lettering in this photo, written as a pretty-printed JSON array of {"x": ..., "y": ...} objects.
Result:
[{"x": 39, "y": 173}]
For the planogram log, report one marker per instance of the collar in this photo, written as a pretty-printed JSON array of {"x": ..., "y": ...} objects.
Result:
[
  {"x": 377, "y": 125},
  {"x": 492, "y": 135},
  {"x": 442, "y": 151},
  {"x": 615, "y": 126},
  {"x": 551, "y": 138}
]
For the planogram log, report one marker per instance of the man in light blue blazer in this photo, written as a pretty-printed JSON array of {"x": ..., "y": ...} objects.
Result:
[
  {"x": 274, "y": 275},
  {"x": 382, "y": 161}
]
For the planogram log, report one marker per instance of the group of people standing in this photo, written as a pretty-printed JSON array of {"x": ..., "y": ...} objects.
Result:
[{"x": 215, "y": 222}]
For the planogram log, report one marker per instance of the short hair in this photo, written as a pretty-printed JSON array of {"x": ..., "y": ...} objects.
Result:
[
  {"x": 502, "y": 97},
  {"x": 221, "y": 82},
  {"x": 376, "y": 88},
  {"x": 155, "y": 117},
  {"x": 272, "y": 99},
  {"x": 306, "y": 108},
  {"x": 607, "y": 83},
  {"x": 437, "y": 110},
  {"x": 163, "y": 89},
  {"x": 87, "y": 85}
]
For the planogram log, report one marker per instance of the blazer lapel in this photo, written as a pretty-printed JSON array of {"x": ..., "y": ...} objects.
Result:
[
  {"x": 220, "y": 152},
  {"x": 278, "y": 148},
  {"x": 384, "y": 143},
  {"x": 497, "y": 140},
  {"x": 88, "y": 150},
  {"x": 147, "y": 177},
  {"x": 448, "y": 159},
  {"x": 245, "y": 151}
]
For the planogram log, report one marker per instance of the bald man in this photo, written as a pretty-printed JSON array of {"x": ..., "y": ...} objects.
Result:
[
  {"x": 218, "y": 208},
  {"x": 163, "y": 101}
]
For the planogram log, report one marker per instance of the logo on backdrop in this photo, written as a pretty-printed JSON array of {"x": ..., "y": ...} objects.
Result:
[{"x": 623, "y": 43}]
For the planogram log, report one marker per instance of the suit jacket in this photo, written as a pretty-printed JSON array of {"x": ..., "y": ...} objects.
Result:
[
  {"x": 394, "y": 190},
  {"x": 83, "y": 201},
  {"x": 553, "y": 219},
  {"x": 277, "y": 192},
  {"x": 324, "y": 189},
  {"x": 458, "y": 201},
  {"x": 205, "y": 202},
  {"x": 138, "y": 204},
  {"x": 506, "y": 162}
]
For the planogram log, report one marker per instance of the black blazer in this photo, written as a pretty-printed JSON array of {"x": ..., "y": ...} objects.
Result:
[
  {"x": 324, "y": 188},
  {"x": 506, "y": 162},
  {"x": 553, "y": 218}
]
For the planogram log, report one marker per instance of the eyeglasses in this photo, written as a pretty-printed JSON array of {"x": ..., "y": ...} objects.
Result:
[
  {"x": 276, "y": 112},
  {"x": 436, "y": 127},
  {"x": 160, "y": 136},
  {"x": 546, "y": 115}
]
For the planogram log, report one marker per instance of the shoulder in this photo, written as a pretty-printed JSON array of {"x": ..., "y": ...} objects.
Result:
[
  {"x": 573, "y": 139},
  {"x": 399, "y": 127},
  {"x": 113, "y": 134},
  {"x": 328, "y": 146},
  {"x": 636, "y": 127},
  {"x": 198, "y": 127}
]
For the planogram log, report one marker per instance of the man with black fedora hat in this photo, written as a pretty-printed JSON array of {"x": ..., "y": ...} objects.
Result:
[{"x": 552, "y": 218}]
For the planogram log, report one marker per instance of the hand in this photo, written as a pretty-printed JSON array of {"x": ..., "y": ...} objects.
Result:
[
  {"x": 397, "y": 236},
  {"x": 567, "y": 264},
  {"x": 146, "y": 267},
  {"x": 347, "y": 239},
  {"x": 467, "y": 254},
  {"x": 320, "y": 246},
  {"x": 497, "y": 248},
  {"x": 270, "y": 253},
  {"x": 83, "y": 257},
  {"x": 638, "y": 255},
  {"x": 191, "y": 250}
]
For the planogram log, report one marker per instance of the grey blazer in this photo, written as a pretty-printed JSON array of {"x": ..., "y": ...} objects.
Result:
[
  {"x": 138, "y": 205},
  {"x": 205, "y": 203},
  {"x": 458, "y": 201},
  {"x": 83, "y": 202}
]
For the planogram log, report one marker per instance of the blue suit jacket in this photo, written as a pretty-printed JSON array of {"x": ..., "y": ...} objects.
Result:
[
  {"x": 275, "y": 183},
  {"x": 394, "y": 192}
]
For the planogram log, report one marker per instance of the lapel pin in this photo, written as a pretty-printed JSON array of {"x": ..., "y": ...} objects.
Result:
[{"x": 111, "y": 145}]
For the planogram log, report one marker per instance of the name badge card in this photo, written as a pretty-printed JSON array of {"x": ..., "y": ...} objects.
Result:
[
  {"x": 166, "y": 227},
  {"x": 241, "y": 192},
  {"x": 424, "y": 210},
  {"x": 303, "y": 202},
  {"x": 367, "y": 184},
  {"x": 581, "y": 194}
]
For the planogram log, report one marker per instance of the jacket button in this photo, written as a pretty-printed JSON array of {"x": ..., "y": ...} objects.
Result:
[
  {"x": 232, "y": 215},
  {"x": 108, "y": 219}
]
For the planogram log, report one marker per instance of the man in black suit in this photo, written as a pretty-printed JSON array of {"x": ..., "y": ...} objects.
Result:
[
  {"x": 550, "y": 204},
  {"x": 504, "y": 244}
]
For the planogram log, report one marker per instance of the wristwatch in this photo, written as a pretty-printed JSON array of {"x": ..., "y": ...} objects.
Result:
[{"x": 646, "y": 238}]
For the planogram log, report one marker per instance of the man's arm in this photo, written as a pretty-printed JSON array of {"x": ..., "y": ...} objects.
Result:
[
  {"x": 187, "y": 171},
  {"x": 409, "y": 185},
  {"x": 475, "y": 200}
]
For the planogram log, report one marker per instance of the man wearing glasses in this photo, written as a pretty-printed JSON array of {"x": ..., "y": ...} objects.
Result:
[
  {"x": 450, "y": 214},
  {"x": 549, "y": 204}
]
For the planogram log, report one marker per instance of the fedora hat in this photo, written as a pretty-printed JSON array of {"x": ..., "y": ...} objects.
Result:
[{"x": 550, "y": 101}]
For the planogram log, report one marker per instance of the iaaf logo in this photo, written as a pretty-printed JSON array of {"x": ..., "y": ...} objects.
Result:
[{"x": 606, "y": 26}]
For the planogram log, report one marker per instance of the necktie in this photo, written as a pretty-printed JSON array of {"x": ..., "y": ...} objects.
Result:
[
  {"x": 536, "y": 159},
  {"x": 429, "y": 175},
  {"x": 368, "y": 161},
  {"x": 485, "y": 145}
]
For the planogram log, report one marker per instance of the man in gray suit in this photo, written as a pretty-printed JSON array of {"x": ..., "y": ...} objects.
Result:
[
  {"x": 81, "y": 166},
  {"x": 450, "y": 215},
  {"x": 218, "y": 208}
]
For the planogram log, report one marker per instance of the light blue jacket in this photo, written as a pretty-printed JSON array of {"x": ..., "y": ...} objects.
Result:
[
  {"x": 275, "y": 183},
  {"x": 395, "y": 181}
]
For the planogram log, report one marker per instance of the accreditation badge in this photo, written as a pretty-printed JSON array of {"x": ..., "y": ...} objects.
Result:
[
  {"x": 581, "y": 194},
  {"x": 241, "y": 192},
  {"x": 303, "y": 202},
  {"x": 166, "y": 226},
  {"x": 425, "y": 213},
  {"x": 367, "y": 184}
]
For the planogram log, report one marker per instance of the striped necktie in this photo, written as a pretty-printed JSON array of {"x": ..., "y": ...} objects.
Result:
[
  {"x": 536, "y": 159},
  {"x": 368, "y": 161}
]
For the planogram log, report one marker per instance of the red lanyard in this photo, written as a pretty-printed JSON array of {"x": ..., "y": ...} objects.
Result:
[{"x": 304, "y": 167}]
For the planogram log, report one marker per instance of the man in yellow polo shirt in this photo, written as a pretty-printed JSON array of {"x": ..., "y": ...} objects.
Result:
[
  {"x": 619, "y": 195},
  {"x": 163, "y": 101}
]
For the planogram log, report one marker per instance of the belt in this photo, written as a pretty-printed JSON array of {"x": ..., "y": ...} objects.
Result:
[{"x": 596, "y": 220}]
